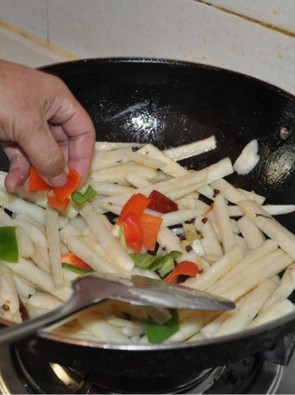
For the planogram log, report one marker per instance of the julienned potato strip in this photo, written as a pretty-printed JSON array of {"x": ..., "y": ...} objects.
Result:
[{"x": 216, "y": 234}]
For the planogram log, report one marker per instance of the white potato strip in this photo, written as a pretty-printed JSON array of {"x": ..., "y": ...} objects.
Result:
[
  {"x": 210, "y": 241},
  {"x": 109, "y": 189},
  {"x": 108, "y": 145},
  {"x": 223, "y": 222},
  {"x": 188, "y": 201},
  {"x": 26, "y": 247},
  {"x": 253, "y": 256},
  {"x": 279, "y": 209},
  {"x": 53, "y": 240},
  {"x": 207, "y": 191},
  {"x": 231, "y": 193},
  {"x": 40, "y": 279},
  {"x": 90, "y": 253},
  {"x": 251, "y": 233},
  {"x": 246, "y": 309},
  {"x": 194, "y": 178},
  {"x": 34, "y": 232},
  {"x": 271, "y": 209},
  {"x": 41, "y": 258},
  {"x": 95, "y": 323},
  {"x": 115, "y": 174},
  {"x": 217, "y": 270},
  {"x": 40, "y": 303},
  {"x": 109, "y": 243},
  {"x": 21, "y": 206},
  {"x": 104, "y": 160},
  {"x": 136, "y": 180},
  {"x": 250, "y": 195},
  {"x": 128, "y": 328},
  {"x": 177, "y": 217},
  {"x": 270, "y": 226},
  {"x": 275, "y": 311},
  {"x": 285, "y": 287},
  {"x": 3, "y": 175},
  {"x": 144, "y": 160},
  {"x": 240, "y": 241},
  {"x": 248, "y": 158},
  {"x": 168, "y": 240},
  {"x": 9, "y": 300},
  {"x": 24, "y": 288},
  {"x": 254, "y": 274},
  {"x": 170, "y": 167},
  {"x": 188, "y": 150}
]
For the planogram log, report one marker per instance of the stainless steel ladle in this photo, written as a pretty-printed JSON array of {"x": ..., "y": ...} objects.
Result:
[{"x": 136, "y": 290}]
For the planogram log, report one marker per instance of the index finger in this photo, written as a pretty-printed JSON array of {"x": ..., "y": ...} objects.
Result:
[{"x": 79, "y": 129}]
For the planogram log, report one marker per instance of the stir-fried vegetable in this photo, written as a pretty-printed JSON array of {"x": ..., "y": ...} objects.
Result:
[
  {"x": 58, "y": 197},
  {"x": 160, "y": 226},
  {"x": 83, "y": 197},
  {"x": 183, "y": 268},
  {"x": 8, "y": 244},
  {"x": 161, "y": 203},
  {"x": 157, "y": 333}
]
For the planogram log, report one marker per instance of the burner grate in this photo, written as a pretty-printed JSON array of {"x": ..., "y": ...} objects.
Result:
[{"x": 22, "y": 375}]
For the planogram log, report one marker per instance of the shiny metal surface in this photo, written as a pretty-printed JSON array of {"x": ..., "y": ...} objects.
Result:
[{"x": 136, "y": 290}]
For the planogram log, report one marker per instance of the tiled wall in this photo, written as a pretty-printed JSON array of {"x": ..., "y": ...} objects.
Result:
[{"x": 256, "y": 37}]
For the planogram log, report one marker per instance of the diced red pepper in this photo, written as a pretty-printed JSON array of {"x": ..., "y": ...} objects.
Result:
[
  {"x": 161, "y": 203},
  {"x": 36, "y": 183},
  {"x": 150, "y": 227},
  {"x": 136, "y": 204},
  {"x": 133, "y": 231},
  {"x": 74, "y": 260},
  {"x": 64, "y": 192},
  {"x": 59, "y": 205},
  {"x": 183, "y": 268},
  {"x": 57, "y": 198}
]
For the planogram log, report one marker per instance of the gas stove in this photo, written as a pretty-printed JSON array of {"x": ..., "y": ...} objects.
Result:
[{"x": 20, "y": 374}]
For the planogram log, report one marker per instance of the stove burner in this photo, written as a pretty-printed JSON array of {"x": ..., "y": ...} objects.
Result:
[{"x": 22, "y": 375}]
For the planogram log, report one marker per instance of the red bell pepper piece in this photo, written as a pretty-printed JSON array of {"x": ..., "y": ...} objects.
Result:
[
  {"x": 73, "y": 183},
  {"x": 74, "y": 260},
  {"x": 59, "y": 205},
  {"x": 36, "y": 183},
  {"x": 183, "y": 268},
  {"x": 57, "y": 198},
  {"x": 136, "y": 204},
  {"x": 161, "y": 203},
  {"x": 150, "y": 227},
  {"x": 133, "y": 232}
]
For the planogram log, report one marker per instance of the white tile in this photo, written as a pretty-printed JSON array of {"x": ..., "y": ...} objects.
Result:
[
  {"x": 18, "y": 49},
  {"x": 179, "y": 29},
  {"x": 279, "y": 13},
  {"x": 30, "y": 15}
]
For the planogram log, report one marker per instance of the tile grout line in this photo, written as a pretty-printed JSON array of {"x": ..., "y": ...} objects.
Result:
[
  {"x": 249, "y": 19},
  {"x": 38, "y": 40}
]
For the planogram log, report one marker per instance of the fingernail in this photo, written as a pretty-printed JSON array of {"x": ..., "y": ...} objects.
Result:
[{"x": 59, "y": 180}]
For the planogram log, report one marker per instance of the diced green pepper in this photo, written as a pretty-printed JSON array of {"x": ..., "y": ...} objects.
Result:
[
  {"x": 164, "y": 264},
  {"x": 81, "y": 198},
  {"x": 8, "y": 244},
  {"x": 75, "y": 269},
  {"x": 158, "y": 333}
]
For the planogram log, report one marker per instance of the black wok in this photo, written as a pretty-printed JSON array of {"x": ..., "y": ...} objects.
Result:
[{"x": 170, "y": 103}]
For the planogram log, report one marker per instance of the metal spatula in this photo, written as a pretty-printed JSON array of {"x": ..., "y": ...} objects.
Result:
[{"x": 136, "y": 290}]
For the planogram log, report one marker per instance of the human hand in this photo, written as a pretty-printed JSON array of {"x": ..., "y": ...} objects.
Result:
[{"x": 42, "y": 124}]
